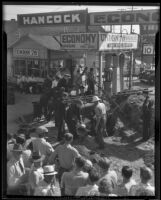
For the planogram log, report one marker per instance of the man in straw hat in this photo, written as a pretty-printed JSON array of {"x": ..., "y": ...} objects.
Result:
[
  {"x": 35, "y": 174},
  {"x": 100, "y": 113},
  {"x": 47, "y": 186},
  {"x": 40, "y": 144},
  {"x": 16, "y": 173}
]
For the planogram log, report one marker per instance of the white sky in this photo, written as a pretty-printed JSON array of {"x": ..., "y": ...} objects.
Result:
[{"x": 11, "y": 11}]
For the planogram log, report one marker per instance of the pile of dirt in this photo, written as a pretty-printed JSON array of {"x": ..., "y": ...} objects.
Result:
[{"x": 131, "y": 113}]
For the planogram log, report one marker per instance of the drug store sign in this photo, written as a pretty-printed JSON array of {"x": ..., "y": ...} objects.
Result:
[
  {"x": 112, "y": 41},
  {"x": 26, "y": 52},
  {"x": 79, "y": 41}
]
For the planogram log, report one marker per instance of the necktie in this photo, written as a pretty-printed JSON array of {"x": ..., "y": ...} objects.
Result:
[{"x": 21, "y": 167}]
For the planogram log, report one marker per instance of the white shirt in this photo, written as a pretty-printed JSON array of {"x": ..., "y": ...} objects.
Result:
[
  {"x": 35, "y": 176},
  {"x": 26, "y": 155},
  {"x": 89, "y": 190},
  {"x": 45, "y": 189},
  {"x": 14, "y": 171},
  {"x": 100, "y": 110},
  {"x": 136, "y": 190},
  {"x": 54, "y": 83},
  {"x": 42, "y": 146}
]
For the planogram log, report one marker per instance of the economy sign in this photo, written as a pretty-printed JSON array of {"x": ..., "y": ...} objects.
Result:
[
  {"x": 54, "y": 18},
  {"x": 111, "y": 41},
  {"x": 78, "y": 41},
  {"x": 125, "y": 17}
]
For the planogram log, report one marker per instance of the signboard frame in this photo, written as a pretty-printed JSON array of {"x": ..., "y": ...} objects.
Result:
[
  {"x": 79, "y": 48},
  {"x": 116, "y": 43},
  {"x": 148, "y": 54},
  {"x": 45, "y": 19},
  {"x": 124, "y": 18}
]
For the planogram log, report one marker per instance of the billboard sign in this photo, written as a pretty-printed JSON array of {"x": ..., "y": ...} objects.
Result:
[
  {"x": 67, "y": 18},
  {"x": 78, "y": 41},
  {"x": 114, "y": 41},
  {"x": 146, "y": 29},
  {"x": 125, "y": 17}
]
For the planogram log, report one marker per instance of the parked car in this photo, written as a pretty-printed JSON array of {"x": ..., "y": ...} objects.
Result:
[{"x": 147, "y": 76}]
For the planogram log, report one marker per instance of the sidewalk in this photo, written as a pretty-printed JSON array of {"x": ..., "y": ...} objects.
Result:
[{"x": 23, "y": 106}]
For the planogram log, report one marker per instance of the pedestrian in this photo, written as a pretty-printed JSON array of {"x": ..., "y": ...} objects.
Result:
[
  {"x": 65, "y": 82},
  {"x": 124, "y": 188},
  {"x": 35, "y": 173},
  {"x": 44, "y": 103},
  {"x": 82, "y": 132},
  {"x": 55, "y": 81},
  {"x": 77, "y": 81},
  {"x": 26, "y": 154},
  {"x": 91, "y": 189},
  {"x": 17, "y": 176},
  {"x": 105, "y": 188},
  {"x": 147, "y": 114},
  {"x": 111, "y": 175},
  {"x": 71, "y": 181},
  {"x": 50, "y": 108},
  {"x": 145, "y": 177},
  {"x": 100, "y": 127},
  {"x": 91, "y": 82},
  {"x": 47, "y": 186},
  {"x": 66, "y": 155},
  {"x": 60, "y": 114},
  {"x": 73, "y": 117},
  {"x": 40, "y": 144},
  {"x": 10, "y": 143}
]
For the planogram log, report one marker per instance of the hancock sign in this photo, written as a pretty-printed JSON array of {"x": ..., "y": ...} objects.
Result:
[{"x": 54, "y": 18}]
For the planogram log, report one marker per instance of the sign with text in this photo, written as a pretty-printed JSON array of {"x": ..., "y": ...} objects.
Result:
[
  {"x": 78, "y": 41},
  {"x": 149, "y": 29},
  {"x": 148, "y": 49},
  {"x": 26, "y": 52},
  {"x": 67, "y": 18},
  {"x": 125, "y": 17},
  {"x": 114, "y": 41}
]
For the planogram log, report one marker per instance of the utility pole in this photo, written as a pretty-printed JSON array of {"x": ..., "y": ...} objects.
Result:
[{"x": 131, "y": 66}]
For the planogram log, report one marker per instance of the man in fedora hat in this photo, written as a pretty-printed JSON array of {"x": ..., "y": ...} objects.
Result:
[
  {"x": 35, "y": 174},
  {"x": 100, "y": 113},
  {"x": 16, "y": 173},
  {"x": 40, "y": 144},
  {"x": 26, "y": 154},
  {"x": 47, "y": 186}
]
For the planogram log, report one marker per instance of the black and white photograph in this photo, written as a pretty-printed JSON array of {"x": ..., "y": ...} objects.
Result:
[{"x": 81, "y": 92}]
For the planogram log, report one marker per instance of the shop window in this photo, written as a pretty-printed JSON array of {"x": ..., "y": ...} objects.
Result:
[{"x": 19, "y": 67}]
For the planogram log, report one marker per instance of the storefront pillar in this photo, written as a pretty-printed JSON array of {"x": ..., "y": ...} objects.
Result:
[
  {"x": 116, "y": 74},
  {"x": 100, "y": 72}
]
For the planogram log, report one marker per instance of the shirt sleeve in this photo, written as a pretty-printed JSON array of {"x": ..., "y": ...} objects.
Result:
[
  {"x": 76, "y": 153},
  {"x": 53, "y": 156},
  {"x": 62, "y": 180},
  {"x": 79, "y": 192},
  {"x": 49, "y": 148}
]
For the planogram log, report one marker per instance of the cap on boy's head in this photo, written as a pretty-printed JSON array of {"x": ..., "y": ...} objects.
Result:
[
  {"x": 105, "y": 163},
  {"x": 68, "y": 137},
  {"x": 146, "y": 173}
]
